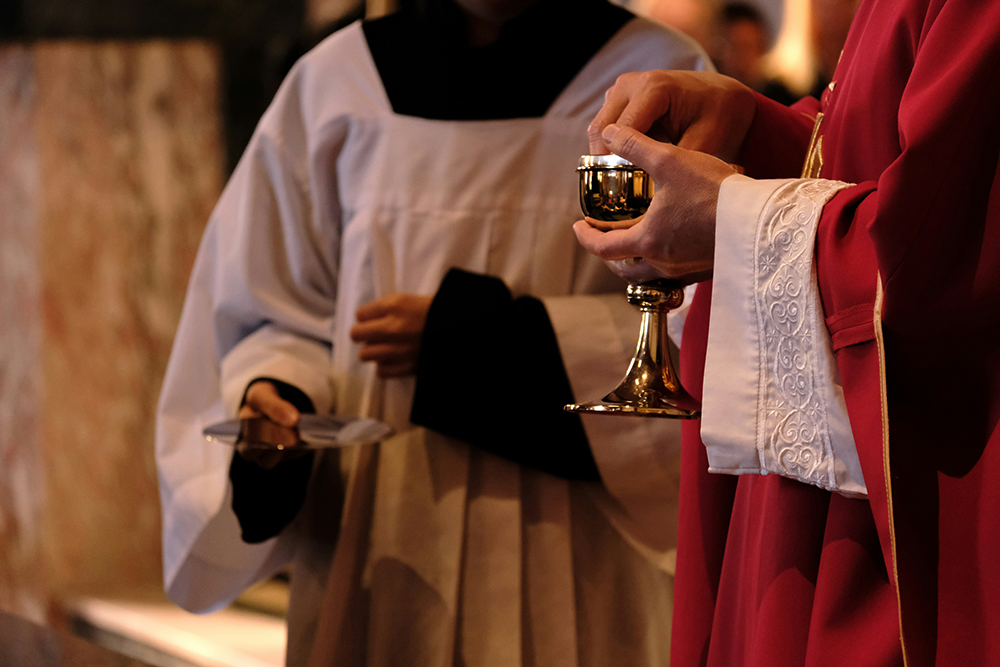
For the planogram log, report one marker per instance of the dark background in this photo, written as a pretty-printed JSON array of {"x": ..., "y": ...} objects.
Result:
[{"x": 259, "y": 40}]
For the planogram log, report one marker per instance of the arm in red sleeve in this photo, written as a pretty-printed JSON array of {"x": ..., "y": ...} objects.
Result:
[
  {"x": 778, "y": 138},
  {"x": 934, "y": 217},
  {"x": 923, "y": 144}
]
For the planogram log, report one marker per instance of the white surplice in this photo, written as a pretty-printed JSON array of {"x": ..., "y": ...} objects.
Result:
[{"x": 444, "y": 554}]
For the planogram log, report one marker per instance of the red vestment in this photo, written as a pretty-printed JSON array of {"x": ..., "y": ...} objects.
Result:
[{"x": 775, "y": 572}]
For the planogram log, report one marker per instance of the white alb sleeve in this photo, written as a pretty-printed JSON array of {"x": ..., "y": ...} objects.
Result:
[{"x": 773, "y": 401}]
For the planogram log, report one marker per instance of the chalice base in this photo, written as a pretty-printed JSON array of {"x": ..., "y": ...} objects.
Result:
[
  {"x": 670, "y": 407},
  {"x": 651, "y": 387}
]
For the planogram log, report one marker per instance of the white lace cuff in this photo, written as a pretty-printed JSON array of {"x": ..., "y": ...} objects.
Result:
[{"x": 773, "y": 401}]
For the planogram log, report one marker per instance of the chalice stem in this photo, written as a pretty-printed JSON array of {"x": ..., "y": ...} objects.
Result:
[{"x": 651, "y": 386}]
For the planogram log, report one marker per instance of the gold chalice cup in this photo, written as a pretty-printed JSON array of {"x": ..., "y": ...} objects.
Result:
[{"x": 612, "y": 189}]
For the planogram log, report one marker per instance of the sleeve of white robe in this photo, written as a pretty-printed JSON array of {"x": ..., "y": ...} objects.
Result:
[
  {"x": 260, "y": 303},
  {"x": 773, "y": 402}
]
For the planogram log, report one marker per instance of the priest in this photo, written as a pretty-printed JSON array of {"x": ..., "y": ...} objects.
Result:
[{"x": 837, "y": 502}]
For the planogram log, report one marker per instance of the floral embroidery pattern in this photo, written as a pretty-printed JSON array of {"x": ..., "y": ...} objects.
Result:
[{"x": 792, "y": 435}]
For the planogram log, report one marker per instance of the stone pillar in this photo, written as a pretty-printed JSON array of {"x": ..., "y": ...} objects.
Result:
[
  {"x": 21, "y": 469},
  {"x": 128, "y": 163}
]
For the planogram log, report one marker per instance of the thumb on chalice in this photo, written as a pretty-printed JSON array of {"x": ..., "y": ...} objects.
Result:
[{"x": 637, "y": 148}]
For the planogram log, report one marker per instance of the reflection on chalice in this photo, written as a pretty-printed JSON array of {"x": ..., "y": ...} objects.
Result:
[{"x": 613, "y": 189}]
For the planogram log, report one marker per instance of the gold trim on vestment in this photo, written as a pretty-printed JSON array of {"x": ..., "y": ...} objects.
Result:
[
  {"x": 811, "y": 169},
  {"x": 814, "y": 157},
  {"x": 880, "y": 343}
]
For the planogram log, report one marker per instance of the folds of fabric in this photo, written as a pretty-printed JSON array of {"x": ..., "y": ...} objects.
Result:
[{"x": 907, "y": 263}]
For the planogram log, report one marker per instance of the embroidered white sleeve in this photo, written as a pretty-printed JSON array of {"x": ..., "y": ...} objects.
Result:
[{"x": 773, "y": 401}]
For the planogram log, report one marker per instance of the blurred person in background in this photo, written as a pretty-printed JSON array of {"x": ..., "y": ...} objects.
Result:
[
  {"x": 692, "y": 17},
  {"x": 741, "y": 44},
  {"x": 397, "y": 243},
  {"x": 829, "y": 22}
]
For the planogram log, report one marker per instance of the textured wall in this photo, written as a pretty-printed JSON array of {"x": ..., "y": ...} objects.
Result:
[
  {"x": 125, "y": 140},
  {"x": 257, "y": 39},
  {"x": 21, "y": 470}
]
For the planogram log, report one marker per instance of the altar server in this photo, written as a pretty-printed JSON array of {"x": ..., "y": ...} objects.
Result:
[{"x": 423, "y": 166}]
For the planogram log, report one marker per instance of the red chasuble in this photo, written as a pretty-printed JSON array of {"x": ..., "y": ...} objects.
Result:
[{"x": 774, "y": 572}]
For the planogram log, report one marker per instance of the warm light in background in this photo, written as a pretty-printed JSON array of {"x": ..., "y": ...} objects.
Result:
[
  {"x": 793, "y": 57},
  {"x": 693, "y": 17}
]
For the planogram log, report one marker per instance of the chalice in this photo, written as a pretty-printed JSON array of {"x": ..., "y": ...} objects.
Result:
[{"x": 613, "y": 189}]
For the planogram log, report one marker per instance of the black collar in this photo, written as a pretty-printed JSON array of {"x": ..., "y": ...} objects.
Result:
[{"x": 429, "y": 70}]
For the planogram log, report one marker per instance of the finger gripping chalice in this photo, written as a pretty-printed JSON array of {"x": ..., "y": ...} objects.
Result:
[{"x": 614, "y": 189}]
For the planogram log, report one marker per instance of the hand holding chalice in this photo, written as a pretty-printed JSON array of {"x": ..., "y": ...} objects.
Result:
[{"x": 613, "y": 192}]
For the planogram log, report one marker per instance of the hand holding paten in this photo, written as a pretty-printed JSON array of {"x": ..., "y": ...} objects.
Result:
[{"x": 262, "y": 400}]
